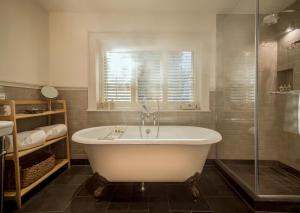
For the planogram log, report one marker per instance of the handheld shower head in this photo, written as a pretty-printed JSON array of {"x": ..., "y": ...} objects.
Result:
[{"x": 271, "y": 19}]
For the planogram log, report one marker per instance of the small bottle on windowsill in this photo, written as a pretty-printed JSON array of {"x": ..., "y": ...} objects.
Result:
[{"x": 104, "y": 104}]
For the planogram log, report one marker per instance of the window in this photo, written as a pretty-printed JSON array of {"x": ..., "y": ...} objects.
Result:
[
  {"x": 180, "y": 77},
  {"x": 136, "y": 76},
  {"x": 129, "y": 68}
]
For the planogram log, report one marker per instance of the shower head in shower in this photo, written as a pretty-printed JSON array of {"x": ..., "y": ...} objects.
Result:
[
  {"x": 271, "y": 19},
  {"x": 274, "y": 17}
]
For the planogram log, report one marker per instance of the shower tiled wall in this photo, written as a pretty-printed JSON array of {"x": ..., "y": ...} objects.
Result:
[
  {"x": 277, "y": 54},
  {"x": 235, "y": 38},
  {"x": 269, "y": 115},
  {"x": 234, "y": 93}
]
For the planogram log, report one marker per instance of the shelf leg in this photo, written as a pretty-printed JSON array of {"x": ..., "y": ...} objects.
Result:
[
  {"x": 18, "y": 183},
  {"x": 67, "y": 138},
  {"x": 16, "y": 158},
  {"x": 68, "y": 151},
  {"x": 19, "y": 202}
]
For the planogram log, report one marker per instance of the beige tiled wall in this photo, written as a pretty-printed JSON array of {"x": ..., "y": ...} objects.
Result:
[
  {"x": 234, "y": 38},
  {"x": 288, "y": 56},
  {"x": 235, "y": 54},
  {"x": 79, "y": 118},
  {"x": 22, "y": 93},
  {"x": 25, "y": 94},
  {"x": 268, "y": 117}
]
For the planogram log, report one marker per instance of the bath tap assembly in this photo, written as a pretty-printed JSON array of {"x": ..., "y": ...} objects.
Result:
[{"x": 146, "y": 115}]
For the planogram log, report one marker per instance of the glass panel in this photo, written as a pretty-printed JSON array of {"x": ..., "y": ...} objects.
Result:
[
  {"x": 180, "y": 76},
  {"x": 278, "y": 103},
  {"x": 118, "y": 71},
  {"x": 235, "y": 93}
]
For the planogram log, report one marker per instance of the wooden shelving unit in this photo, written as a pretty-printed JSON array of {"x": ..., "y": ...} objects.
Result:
[{"x": 16, "y": 154}]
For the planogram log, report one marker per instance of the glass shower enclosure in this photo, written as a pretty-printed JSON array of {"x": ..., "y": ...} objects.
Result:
[{"x": 257, "y": 98}]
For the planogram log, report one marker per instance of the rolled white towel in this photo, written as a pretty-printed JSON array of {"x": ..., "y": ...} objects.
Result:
[
  {"x": 292, "y": 113},
  {"x": 26, "y": 140},
  {"x": 54, "y": 131}
]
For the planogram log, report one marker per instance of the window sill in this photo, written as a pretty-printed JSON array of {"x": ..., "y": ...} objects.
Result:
[{"x": 136, "y": 110}]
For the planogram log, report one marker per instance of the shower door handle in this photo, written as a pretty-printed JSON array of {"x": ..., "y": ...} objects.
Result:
[{"x": 2, "y": 164}]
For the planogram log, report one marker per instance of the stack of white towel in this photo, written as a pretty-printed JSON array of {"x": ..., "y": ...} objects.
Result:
[
  {"x": 292, "y": 113},
  {"x": 26, "y": 140},
  {"x": 34, "y": 138},
  {"x": 54, "y": 131}
]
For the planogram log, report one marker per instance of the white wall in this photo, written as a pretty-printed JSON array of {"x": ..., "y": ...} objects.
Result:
[
  {"x": 24, "y": 32},
  {"x": 69, "y": 60}
]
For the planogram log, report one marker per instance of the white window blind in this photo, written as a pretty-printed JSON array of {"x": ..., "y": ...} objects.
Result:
[
  {"x": 149, "y": 76},
  {"x": 180, "y": 77},
  {"x": 140, "y": 75},
  {"x": 118, "y": 73}
]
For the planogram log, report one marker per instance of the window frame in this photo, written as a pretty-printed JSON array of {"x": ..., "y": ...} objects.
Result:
[
  {"x": 201, "y": 82},
  {"x": 165, "y": 104}
]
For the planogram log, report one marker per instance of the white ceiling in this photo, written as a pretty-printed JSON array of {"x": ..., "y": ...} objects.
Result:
[{"x": 184, "y": 6}]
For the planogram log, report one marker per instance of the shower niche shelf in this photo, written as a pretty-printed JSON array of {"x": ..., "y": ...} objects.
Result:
[
  {"x": 296, "y": 92},
  {"x": 285, "y": 78}
]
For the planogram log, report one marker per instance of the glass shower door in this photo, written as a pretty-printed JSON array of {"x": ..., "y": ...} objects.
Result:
[{"x": 278, "y": 98}]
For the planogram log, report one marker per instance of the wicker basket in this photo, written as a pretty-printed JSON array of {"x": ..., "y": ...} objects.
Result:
[{"x": 32, "y": 168}]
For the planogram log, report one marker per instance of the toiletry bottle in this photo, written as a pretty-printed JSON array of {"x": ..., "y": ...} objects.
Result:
[
  {"x": 281, "y": 88},
  {"x": 284, "y": 87},
  {"x": 105, "y": 104}
]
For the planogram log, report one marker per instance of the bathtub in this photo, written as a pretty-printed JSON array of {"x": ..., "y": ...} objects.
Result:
[{"x": 147, "y": 154}]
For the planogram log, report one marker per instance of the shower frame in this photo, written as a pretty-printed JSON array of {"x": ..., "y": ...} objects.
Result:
[{"x": 254, "y": 198}]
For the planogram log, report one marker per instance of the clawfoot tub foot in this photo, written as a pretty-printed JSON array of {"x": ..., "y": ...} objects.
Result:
[
  {"x": 193, "y": 185},
  {"x": 96, "y": 184}
]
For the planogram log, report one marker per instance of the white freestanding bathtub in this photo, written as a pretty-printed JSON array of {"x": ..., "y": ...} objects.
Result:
[{"x": 126, "y": 154}]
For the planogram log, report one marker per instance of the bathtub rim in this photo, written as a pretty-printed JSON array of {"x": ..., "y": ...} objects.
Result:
[{"x": 87, "y": 141}]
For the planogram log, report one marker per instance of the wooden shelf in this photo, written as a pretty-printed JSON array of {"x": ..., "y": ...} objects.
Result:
[
  {"x": 16, "y": 155},
  {"x": 58, "y": 164},
  {"x": 36, "y": 102},
  {"x": 5, "y": 117},
  {"x": 23, "y": 116},
  {"x": 22, "y": 153}
]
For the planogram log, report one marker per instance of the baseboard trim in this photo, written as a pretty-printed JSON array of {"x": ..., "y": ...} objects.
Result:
[
  {"x": 39, "y": 86},
  {"x": 80, "y": 162}
]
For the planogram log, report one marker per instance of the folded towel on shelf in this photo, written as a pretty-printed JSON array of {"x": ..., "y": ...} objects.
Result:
[
  {"x": 292, "y": 113},
  {"x": 54, "y": 131},
  {"x": 26, "y": 140}
]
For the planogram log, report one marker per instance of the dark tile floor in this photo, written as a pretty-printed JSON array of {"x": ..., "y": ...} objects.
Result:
[
  {"x": 66, "y": 194},
  {"x": 273, "y": 178}
]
